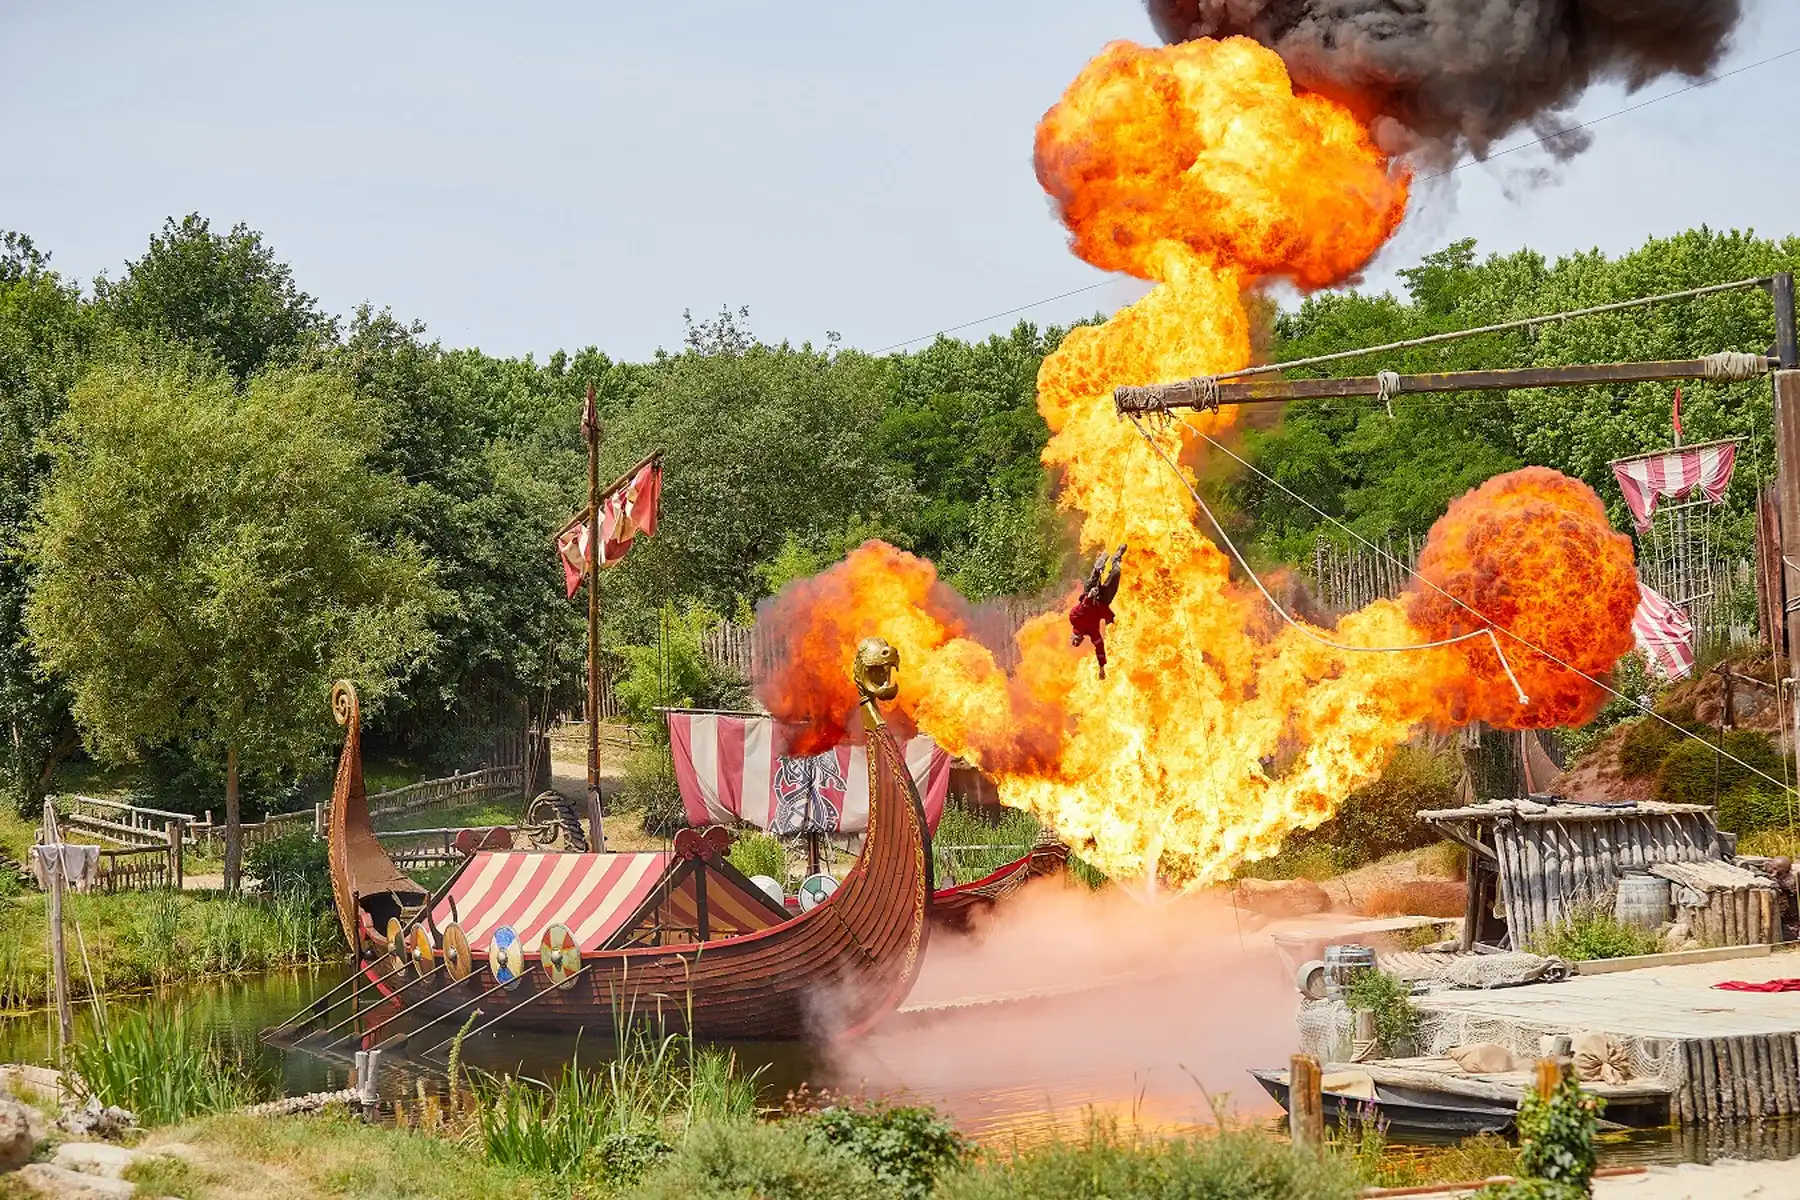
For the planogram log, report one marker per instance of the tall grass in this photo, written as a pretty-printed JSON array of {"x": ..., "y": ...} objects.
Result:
[
  {"x": 760, "y": 854},
  {"x": 1592, "y": 933},
  {"x": 971, "y": 843},
  {"x": 161, "y": 1067},
  {"x": 138, "y": 940},
  {"x": 615, "y": 1121}
]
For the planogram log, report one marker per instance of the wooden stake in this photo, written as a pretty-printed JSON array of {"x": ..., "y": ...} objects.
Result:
[
  {"x": 591, "y": 429},
  {"x": 1550, "y": 1073},
  {"x": 1306, "y": 1103}
]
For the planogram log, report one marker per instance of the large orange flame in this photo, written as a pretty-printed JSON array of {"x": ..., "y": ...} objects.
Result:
[{"x": 1220, "y": 729}]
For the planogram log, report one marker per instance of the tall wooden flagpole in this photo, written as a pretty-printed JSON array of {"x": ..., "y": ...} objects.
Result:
[{"x": 590, "y": 428}]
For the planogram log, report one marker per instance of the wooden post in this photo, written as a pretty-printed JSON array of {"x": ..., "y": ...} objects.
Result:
[
  {"x": 59, "y": 958},
  {"x": 590, "y": 428},
  {"x": 173, "y": 831},
  {"x": 1306, "y": 1103},
  {"x": 1787, "y": 484},
  {"x": 1550, "y": 1073}
]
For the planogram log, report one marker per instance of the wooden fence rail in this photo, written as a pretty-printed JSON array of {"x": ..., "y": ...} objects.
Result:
[
  {"x": 138, "y": 868},
  {"x": 451, "y": 792}
]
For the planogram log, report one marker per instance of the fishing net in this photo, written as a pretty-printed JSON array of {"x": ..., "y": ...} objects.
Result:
[
  {"x": 1499, "y": 970},
  {"x": 1327, "y": 1028}
]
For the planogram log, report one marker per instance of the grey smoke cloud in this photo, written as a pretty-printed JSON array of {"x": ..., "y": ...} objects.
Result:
[{"x": 1440, "y": 79}]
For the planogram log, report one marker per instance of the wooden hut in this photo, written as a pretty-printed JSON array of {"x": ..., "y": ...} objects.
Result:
[{"x": 1533, "y": 863}]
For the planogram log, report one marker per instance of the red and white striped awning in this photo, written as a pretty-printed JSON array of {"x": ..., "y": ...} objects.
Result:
[{"x": 593, "y": 894}]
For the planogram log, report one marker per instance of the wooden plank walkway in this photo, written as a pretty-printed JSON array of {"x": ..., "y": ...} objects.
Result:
[{"x": 1725, "y": 1055}]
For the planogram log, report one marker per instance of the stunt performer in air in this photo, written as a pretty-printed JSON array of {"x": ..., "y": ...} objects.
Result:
[{"x": 1094, "y": 610}]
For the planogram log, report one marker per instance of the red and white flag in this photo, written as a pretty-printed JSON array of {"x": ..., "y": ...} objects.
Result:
[
  {"x": 1649, "y": 477},
  {"x": 627, "y": 511},
  {"x": 730, "y": 768},
  {"x": 1664, "y": 633}
]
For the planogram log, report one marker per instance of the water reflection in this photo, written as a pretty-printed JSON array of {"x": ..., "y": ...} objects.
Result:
[{"x": 999, "y": 1090}]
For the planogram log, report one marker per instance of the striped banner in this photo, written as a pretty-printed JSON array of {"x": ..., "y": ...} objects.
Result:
[
  {"x": 592, "y": 894},
  {"x": 729, "y": 769},
  {"x": 1648, "y": 478},
  {"x": 1664, "y": 633}
]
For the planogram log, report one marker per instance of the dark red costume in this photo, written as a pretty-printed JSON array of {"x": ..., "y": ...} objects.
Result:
[{"x": 1093, "y": 611}]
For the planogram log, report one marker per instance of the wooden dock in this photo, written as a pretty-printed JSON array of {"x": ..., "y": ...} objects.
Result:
[{"x": 1723, "y": 1055}]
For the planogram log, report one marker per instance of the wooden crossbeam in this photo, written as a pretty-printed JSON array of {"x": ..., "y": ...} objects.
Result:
[{"x": 1274, "y": 390}]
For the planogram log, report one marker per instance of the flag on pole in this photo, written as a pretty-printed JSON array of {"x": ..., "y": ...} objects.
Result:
[
  {"x": 1664, "y": 633},
  {"x": 1678, "y": 416},
  {"x": 625, "y": 512}
]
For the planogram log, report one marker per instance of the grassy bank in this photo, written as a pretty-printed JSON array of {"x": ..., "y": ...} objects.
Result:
[
  {"x": 666, "y": 1120},
  {"x": 137, "y": 940}
]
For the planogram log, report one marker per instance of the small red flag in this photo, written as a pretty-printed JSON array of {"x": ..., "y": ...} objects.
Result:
[
  {"x": 1678, "y": 416},
  {"x": 590, "y": 419}
]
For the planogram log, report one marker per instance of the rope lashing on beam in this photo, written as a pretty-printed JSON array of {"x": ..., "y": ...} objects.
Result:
[
  {"x": 1302, "y": 627},
  {"x": 1731, "y": 366},
  {"x": 1389, "y": 383}
]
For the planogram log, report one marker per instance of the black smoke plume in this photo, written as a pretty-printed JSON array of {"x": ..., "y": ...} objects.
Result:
[{"x": 1438, "y": 79}]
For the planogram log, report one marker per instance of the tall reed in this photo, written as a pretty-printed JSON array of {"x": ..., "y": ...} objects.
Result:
[{"x": 162, "y": 1067}]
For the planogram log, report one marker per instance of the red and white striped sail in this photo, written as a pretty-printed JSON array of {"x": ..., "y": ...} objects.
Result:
[
  {"x": 1664, "y": 633},
  {"x": 729, "y": 768},
  {"x": 1649, "y": 477}
]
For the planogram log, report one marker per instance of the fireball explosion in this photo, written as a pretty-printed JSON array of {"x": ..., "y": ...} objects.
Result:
[{"x": 1219, "y": 729}]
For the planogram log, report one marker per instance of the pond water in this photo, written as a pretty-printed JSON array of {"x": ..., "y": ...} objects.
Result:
[{"x": 1150, "y": 1022}]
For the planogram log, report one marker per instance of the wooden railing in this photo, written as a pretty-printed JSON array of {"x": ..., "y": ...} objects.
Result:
[
  {"x": 435, "y": 846},
  {"x": 451, "y": 792},
  {"x": 138, "y": 869}
]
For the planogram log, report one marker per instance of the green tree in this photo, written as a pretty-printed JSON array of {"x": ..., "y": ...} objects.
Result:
[
  {"x": 207, "y": 565},
  {"x": 44, "y": 336},
  {"x": 227, "y": 293},
  {"x": 483, "y": 504}
]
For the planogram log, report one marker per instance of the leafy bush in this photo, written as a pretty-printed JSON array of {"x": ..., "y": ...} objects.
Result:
[
  {"x": 906, "y": 1147},
  {"x": 650, "y": 785},
  {"x": 1556, "y": 1146},
  {"x": 1396, "y": 1017},
  {"x": 1696, "y": 773},
  {"x": 1593, "y": 933},
  {"x": 1646, "y": 743},
  {"x": 760, "y": 854},
  {"x": 1752, "y": 807},
  {"x": 673, "y": 671},
  {"x": 158, "y": 1065},
  {"x": 730, "y": 1160},
  {"x": 295, "y": 864}
]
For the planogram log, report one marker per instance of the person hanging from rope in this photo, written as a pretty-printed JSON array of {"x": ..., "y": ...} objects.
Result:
[{"x": 1093, "y": 611}]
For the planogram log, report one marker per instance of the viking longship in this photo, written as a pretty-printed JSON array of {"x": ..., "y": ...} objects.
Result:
[
  {"x": 955, "y": 907},
  {"x": 564, "y": 941}
]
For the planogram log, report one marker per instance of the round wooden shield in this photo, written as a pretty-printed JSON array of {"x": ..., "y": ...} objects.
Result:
[
  {"x": 424, "y": 954},
  {"x": 457, "y": 960},
  {"x": 396, "y": 945},
  {"x": 560, "y": 956},
  {"x": 815, "y": 890},
  {"x": 506, "y": 957}
]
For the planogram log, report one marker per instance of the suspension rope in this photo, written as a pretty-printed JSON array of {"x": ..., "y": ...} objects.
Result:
[
  {"x": 1729, "y": 360},
  {"x": 1411, "y": 570},
  {"x": 1301, "y": 626}
]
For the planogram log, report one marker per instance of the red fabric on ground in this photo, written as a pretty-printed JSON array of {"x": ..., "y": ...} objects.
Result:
[{"x": 1772, "y": 985}]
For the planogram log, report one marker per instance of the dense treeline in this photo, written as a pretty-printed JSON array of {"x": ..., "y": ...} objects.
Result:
[{"x": 445, "y": 471}]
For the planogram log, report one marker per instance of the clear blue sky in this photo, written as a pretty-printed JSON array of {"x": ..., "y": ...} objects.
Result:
[{"x": 533, "y": 176}]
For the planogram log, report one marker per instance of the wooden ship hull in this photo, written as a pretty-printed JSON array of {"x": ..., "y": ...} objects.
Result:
[
  {"x": 834, "y": 971},
  {"x": 956, "y": 906}
]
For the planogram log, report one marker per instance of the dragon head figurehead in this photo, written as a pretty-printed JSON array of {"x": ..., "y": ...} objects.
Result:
[{"x": 874, "y": 669}]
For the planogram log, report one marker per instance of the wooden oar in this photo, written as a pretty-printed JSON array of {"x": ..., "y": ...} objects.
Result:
[{"x": 509, "y": 1012}]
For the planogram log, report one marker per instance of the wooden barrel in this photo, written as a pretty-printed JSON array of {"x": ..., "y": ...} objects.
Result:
[
  {"x": 1643, "y": 900},
  {"x": 1344, "y": 963}
]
